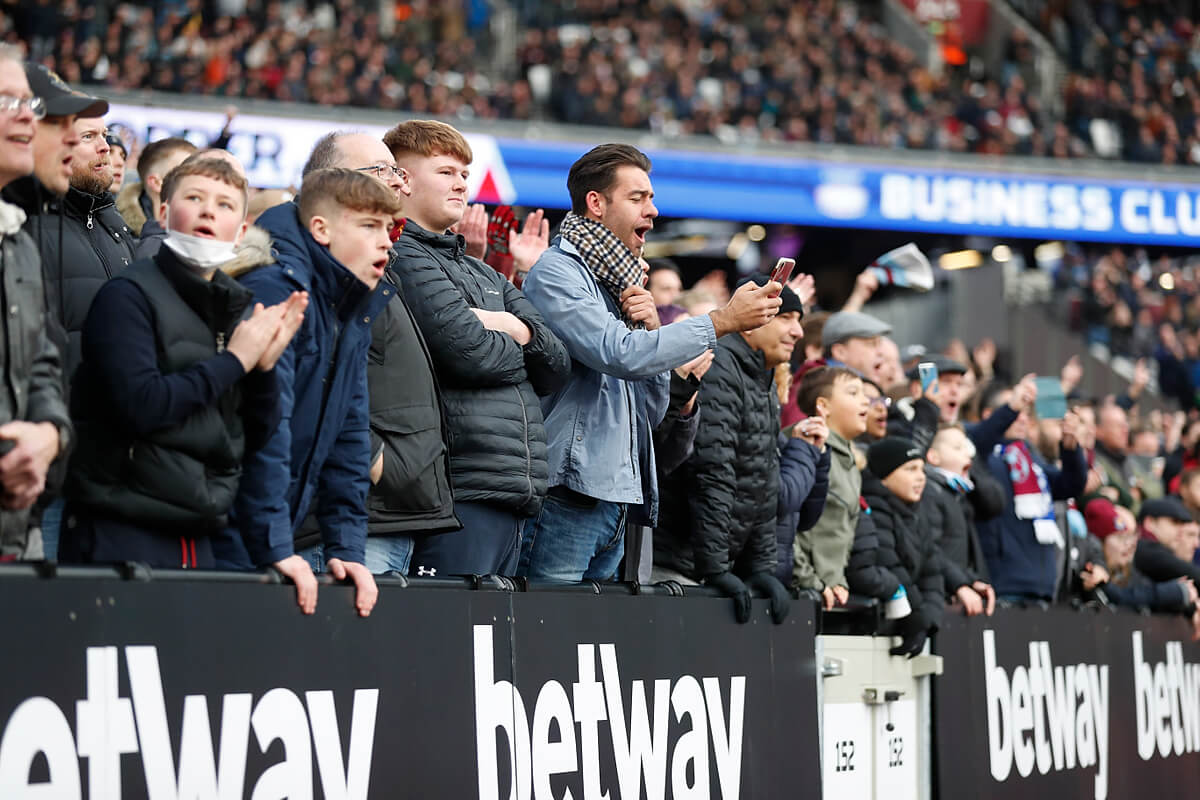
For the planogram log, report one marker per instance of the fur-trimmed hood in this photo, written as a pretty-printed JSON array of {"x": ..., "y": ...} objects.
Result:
[
  {"x": 129, "y": 203},
  {"x": 253, "y": 251}
]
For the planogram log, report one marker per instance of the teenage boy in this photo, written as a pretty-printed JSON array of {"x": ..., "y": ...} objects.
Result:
[
  {"x": 821, "y": 553},
  {"x": 493, "y": 355},
  {"x": 176, "y": 385},
  {"x": 893, "y": 485},
  {"x": 332, "y": 243},
  {"x": 951, "y": 497}
]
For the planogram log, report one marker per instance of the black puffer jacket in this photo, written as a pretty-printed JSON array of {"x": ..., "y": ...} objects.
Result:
[
  {"x": 718, "y": 512},
  {"x": 408, "y": 427},
  {"x": 83, "y": 242},
  {"x": 951, "y": 515},
  {"x": 490, "y": 384},
  {"x": 908, "y": 550}
]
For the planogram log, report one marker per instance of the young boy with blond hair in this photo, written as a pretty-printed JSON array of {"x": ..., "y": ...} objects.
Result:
[{"x": 332, "y": 243}]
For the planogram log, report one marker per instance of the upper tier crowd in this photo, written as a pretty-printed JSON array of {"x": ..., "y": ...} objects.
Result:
[
  {"x": 364, "y": 380},
  {"x": 821, "y": 71}
]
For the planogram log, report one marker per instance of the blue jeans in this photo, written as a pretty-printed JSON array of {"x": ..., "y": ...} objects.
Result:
[
  {"x": 51, "y": 524},
  {"x": 569, "y": 542},
  {"x": 383, "y": 554}
]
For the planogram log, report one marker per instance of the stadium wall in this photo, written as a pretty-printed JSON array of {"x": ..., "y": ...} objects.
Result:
[{"x": 152, "y": 686}]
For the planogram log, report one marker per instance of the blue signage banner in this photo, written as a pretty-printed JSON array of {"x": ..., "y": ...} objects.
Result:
[
  {"x": 749, "y": 188},
  {"x": 902, "y": 198}
]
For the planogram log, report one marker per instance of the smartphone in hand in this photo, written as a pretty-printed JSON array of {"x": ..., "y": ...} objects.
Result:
[
  {"x": 928, "y": 372},
  {"x": 783, "y": 270}
]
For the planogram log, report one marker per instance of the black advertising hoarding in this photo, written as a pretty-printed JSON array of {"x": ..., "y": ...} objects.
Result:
[
  {"x": 217, "y": 689},
  {"x": 1065, "y": 704}
]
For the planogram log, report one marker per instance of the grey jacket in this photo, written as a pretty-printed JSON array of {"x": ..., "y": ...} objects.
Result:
[{"x": 33, "y": 383}]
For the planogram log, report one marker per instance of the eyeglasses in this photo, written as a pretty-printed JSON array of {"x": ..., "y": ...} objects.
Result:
[
  {"x": 381, "y": 171},
  {"x": 13, "y": 105},
  {"x": 882, "y": 400}
]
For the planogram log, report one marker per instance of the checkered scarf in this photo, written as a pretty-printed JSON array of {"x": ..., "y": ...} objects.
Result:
[{"x": 612, "y": 264}]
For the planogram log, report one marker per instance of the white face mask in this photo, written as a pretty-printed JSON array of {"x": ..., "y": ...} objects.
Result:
[{"x": 201, "y": 254}]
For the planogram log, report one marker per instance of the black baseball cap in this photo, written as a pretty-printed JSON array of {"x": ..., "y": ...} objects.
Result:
[
  {"x": 61, "y": 100},
  {"x": 1168, "y": 507}
]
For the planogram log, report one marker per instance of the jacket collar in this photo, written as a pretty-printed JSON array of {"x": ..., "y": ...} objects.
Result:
[
  {"x": 310, "y": 264},
  {"x": 840, "y": 445},
  {"x": 751, "y": 361},
  {"x": 80, "y": 204},
  {"x": 31, "y": 195},
  {"x": 219, "y": 302},
  {"x": 451, "y": 245}
]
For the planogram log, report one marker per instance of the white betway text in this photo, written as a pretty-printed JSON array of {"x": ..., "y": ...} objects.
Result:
[
  {"x": 1046, "y": 716},
  {"x": 641, "y": 746},
  {"x": 109, "y": 726}
]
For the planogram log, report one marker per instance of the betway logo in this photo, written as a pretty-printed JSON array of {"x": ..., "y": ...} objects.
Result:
[
  {"x": 1168, "y": 702},
  {"x": 109, "y": 726},
  {"x": 640, "y": 751},
  {"x": 1051, "y": 717}
]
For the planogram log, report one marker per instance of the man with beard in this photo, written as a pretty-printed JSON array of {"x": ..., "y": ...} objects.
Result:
[{"x": 87, "y": 242}]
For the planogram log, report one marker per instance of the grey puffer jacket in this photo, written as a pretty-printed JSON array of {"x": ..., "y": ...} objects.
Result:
[
  {"x": 490, "y": 384},
  {"x": 718, "y": 512},
  {"x": 33, "y": 382}
]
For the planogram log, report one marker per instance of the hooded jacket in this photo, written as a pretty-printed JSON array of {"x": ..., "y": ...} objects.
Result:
[
  {"x": 490, "y": 384},
  {"x": 821, "y": 553},
  {"x": 718, "y": 512},
  {"x": 319, "y": 455},
  {"x": 134, "y": 206},
  {"x": 33, "y": 384},
  {"x": 908, "y": 549},
  {"x": 83, "y": 242}
]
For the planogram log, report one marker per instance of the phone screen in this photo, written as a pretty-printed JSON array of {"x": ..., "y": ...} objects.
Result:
[
  {"x": 928, "y": 372},
  {"x": 1051, "y": 402}
]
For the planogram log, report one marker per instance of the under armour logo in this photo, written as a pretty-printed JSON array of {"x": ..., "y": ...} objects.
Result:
[{"x": 423, "y": 572}]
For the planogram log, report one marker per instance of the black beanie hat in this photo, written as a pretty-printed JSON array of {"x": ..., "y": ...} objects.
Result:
[
  {"x": 890, "y": 453},
  {"x": 790, "y": 300}
]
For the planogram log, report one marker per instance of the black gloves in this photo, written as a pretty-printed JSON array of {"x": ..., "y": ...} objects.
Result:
[
  {"x": 768, "y": 584},
  {"x": 731, "y": 586},
  {"x": 914, "y": 632}
]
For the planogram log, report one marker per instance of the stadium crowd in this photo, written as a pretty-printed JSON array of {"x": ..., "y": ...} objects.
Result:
[
  {"x": 821, "y": 71},
  {"x": 347, "y": 386}
]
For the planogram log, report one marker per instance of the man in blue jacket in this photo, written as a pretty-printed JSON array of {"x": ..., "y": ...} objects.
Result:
[
  {"x": 588, "y": 286},
  {"x": 332, "y": 243},
  {"x": 1020, "y": 544}
]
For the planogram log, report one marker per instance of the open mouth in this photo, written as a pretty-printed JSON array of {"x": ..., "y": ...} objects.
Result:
[
  {"x": 379, "y": 265},
  {"x": 204, "y": 232},
  {"x": 640, "y": 232},
  {"x": 22, "y": 140}
]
